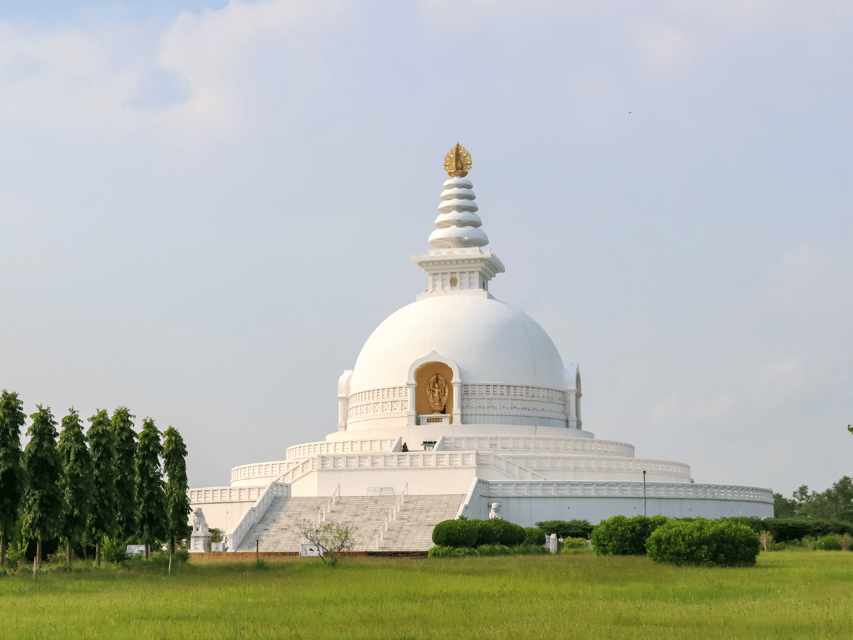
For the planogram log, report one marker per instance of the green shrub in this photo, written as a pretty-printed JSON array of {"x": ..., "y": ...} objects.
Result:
[
  {"x": 491, "y": 550},
  {"x": 509, "y": 534},
  {"x": 778, "y": 546},
  {"x": 113, "y": 550},
  {"x": 704, "y": 543},
  {"x": 451, "y": 552},
  {"x": 621, "y": 536},
  {"x": 535, "y": 535},
  {"x": 455, "y": 533},
  {"x": 486, "y": 534},
  {"x": 828, "y": 543},
  {"x": 567, "y": 528},
  {"x": 16, "y": 555},
  {"x": 574, "y": 544}
]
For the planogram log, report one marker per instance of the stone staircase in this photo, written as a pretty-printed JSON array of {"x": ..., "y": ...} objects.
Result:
[{"x": 410, "y": 531}]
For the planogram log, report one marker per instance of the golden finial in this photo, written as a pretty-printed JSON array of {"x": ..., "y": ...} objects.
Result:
[{"x": 458, "y": 161}]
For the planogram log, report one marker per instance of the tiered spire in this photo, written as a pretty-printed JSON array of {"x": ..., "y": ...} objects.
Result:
[
  {"x": 458, "y": 265},
  {"x": 458, "y": 224}
]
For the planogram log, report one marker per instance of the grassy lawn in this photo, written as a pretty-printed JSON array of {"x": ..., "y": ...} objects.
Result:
[{"x": 788, "y": 594}]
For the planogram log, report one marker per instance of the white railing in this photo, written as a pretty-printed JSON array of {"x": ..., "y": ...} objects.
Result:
[
  {"x": 603, "y": 464},
  {"x": 299, "y": 469},
  {"x": 506, "y": 465},
  {"x": 478, "y": 487},
  {"x": 322, "y": 513},
  {"x": 580, "y": 489},
  {"x": 206, "y": 495},
  {"x": 260, "y": 470},
  {"x": 255, "y": 513},
  {"x": 392, "y": 515},
  {"x": 410, "y": 460},
  {"x": 536, "y": 444},
  {"x": 341, "y": 446}
]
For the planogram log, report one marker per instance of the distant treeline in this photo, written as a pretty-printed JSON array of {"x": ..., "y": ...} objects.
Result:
[
  {"x": 836, "y": 503},
  {"x": 106, "y": 483}
]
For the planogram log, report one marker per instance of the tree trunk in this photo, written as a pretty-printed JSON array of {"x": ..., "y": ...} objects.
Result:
[
  {"x": 171, "y": 553},
  {"x": 98, "y": 553},
  {"x": 68, "y": 553},
  {"x": 37, "y": 557},
  {"x": 146, "y": 552},
  {"x": 2, "y": 550}
]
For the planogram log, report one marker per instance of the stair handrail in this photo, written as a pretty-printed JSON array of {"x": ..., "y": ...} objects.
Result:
[
  {"x": 392, "y": 515},
  {"x": 321, "y": 514},
  {"x": 255, "y": 513}
]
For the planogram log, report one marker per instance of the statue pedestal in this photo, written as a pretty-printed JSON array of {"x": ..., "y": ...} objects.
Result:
[
  {"x": 433, "y": 418},
  {"x": 198, "y": 543},
  {"x": 201, "y": 533}
]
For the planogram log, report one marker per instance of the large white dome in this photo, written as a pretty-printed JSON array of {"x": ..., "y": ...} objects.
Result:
[{"x": 489, "y": 341}]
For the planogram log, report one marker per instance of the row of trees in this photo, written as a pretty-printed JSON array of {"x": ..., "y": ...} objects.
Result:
[
  {"x": 106, "y": 482},
  {"x": 836, "y": 503}
]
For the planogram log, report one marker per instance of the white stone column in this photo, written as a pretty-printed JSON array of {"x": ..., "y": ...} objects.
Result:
[
  {"x": 343, "y": 409},
  {"x": 457, "y": 403},
  {"x": 570, "y": 410},
  {"x": 411, "y": 416}
]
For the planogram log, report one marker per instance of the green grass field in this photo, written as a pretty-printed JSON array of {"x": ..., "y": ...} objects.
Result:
[{"x": 787, "y": 594}]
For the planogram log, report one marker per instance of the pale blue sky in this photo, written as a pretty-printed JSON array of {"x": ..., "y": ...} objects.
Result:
[{"x": 206, "y": 212}]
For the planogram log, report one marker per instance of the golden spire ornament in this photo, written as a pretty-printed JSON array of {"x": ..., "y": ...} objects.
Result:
[{"x": 458, "y": 161}]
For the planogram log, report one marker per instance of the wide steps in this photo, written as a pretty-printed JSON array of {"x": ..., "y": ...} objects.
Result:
[{"x": 410, "y": 530}]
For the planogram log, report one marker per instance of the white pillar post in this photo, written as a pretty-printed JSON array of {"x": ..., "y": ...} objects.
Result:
[
  {"x": 411, "y": 416},
  {"x": 457, "y": 403}
]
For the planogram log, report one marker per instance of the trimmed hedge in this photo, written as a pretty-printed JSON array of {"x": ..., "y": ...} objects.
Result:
[
  {"x": 704, "y": 543},
  {"x": 509, "y": 534},
  {"x": 535, "y": 536},
  {"x": 486, "y": 533},
  {"x": 567, "y": 528},
  {"x": 622, "y": 536},
  {"x": 455, "y": 533}
]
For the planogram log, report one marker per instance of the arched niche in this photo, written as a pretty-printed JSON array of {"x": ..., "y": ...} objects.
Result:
[
  {"x": 418, "y": 380},
  {"x": 434, "y": 389}
]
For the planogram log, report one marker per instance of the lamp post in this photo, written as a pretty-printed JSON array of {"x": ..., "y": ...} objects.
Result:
[{"x": 644, "y": 492}]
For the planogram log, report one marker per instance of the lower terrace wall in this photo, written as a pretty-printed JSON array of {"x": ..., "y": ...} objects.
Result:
[
  {"x": 223, "y": 506},
  {"x": 526, "y": 503}
]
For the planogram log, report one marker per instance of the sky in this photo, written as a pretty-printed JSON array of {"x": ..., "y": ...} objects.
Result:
[{"x": 207, "y": 207}]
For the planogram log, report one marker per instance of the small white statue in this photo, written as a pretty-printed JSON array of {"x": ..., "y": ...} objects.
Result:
[
  {"x": 495, "y": 511},
  {"x": 200, "y": 527}
]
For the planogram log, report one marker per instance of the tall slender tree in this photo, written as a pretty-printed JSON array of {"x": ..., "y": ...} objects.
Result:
[
  {"x": 76, "y": 480},
  {"x": 125, "y": 471},
  {"x": 43, "y": 499},
  {"x": 150, "y": 503},
  {"x": 177, "y": 501},
  {"x": 102, "y": 449},
  {"x": 12, "y": 419}
]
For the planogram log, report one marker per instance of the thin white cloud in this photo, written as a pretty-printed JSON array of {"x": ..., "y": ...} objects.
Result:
[
  {"x": 195, "y": 74},
  {"x": 663, "y": 50}
]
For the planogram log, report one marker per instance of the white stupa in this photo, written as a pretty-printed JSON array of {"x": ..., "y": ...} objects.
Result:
[{"x": 456, "y": 402}]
